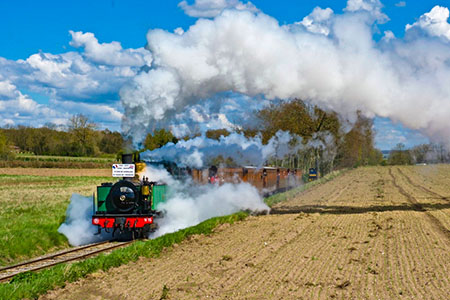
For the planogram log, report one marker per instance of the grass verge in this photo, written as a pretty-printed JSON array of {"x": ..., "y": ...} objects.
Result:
[
  {"x": 31, "y": 284},
  {"x": 281, "y": 197},
  {"x": 31, "y": 210}
]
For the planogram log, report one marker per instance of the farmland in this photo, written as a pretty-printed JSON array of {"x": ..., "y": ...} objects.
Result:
[
  {"x": 22, "y": 160},
  {"x": 371, "y": 233},
  {"x": 33, "y": 205}
]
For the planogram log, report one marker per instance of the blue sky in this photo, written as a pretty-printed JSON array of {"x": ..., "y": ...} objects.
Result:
[
  {"x": 49, "y": 88},
  {"x": 28, "y": 27}
]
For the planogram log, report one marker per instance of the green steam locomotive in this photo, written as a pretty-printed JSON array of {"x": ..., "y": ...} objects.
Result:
[{"x": 130, "y": 204}]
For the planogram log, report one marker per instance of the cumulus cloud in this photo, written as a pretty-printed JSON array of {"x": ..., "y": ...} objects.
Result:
[
  {"x": 85, "y": 82},
  {"x": 434, "y": 23},
  {"x": 251, "y": 54},
  {"x": 7, "y": 90},
  {"x": 16, "y": 107},
  {"x": 212, "y": 8},
  {"x": 69, "y": 76},
  {"x": 109, "y": 53},
  {"x": 372, "y": 6}
]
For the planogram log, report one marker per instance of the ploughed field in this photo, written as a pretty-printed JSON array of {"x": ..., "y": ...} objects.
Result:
[{"x": 371, "y": 233}]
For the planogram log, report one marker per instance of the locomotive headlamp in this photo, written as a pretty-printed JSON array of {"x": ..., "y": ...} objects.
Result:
[{"x": 96, "y": 221}]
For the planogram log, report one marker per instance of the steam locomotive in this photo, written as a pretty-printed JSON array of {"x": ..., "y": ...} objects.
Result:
[{"x": 131, "y": 204}]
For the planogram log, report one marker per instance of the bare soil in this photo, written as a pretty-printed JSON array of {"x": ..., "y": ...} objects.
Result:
[{"x": 372, "y": 233}]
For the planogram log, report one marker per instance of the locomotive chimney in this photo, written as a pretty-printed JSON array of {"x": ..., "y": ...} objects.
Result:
[{"x": 127, "y": 158}]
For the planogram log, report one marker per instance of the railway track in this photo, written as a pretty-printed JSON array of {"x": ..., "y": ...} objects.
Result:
[{"x": 43, "y": 262}]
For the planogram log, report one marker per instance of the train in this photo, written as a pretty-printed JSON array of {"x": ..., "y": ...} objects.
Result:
[{"x": 132, "y": 203}]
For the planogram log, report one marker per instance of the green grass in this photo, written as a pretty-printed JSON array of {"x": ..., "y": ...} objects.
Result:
[
  {"x": 31, "y": 284},
  {"x": 31, "y": 210},
  {"x": 281, "y": 197}
]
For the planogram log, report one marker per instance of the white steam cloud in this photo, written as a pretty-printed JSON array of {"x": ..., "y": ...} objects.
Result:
[
  {"x": 340, "y": 68},
  {"x": 78, "y": 227},
  {"x": 189, "y": 204},
  {"x": 199, "y": 151}
]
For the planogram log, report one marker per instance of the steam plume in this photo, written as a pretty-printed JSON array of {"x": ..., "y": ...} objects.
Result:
[
  {"x": 198, "y": 152},
  {"x": 78, "y": 227},
  {"x": 339, "y": 67},
  {"x": 189, "y": 204}
]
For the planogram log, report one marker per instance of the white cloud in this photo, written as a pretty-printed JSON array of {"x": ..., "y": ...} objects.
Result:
[
  {"x": 109, "y": 53},
  {"x": 372, "y": 6},
  {"x": 212, "y": 8},
  {"x": 400, "y": 4},
  {"x": 7, "y": 89},
  {"x": 434, "y": 23},
  {"x": 67, "y": 76},
  {"x": 18, "y": 108},
  {"x": 85, "y": 82},
  {"x": 104, "y": 113},
  {"x": 318, "y": 20}
]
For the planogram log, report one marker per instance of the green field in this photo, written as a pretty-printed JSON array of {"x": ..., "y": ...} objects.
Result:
[
  {"x": 25, "y": 160},
  {"x": 31, "y": 210}
]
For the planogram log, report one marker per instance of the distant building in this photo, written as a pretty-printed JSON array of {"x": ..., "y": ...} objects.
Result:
[{"x": 14, "y": 149}]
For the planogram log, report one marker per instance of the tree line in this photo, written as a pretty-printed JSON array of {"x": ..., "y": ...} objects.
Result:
[
  {"x": 327, "y": 142},
  {"x": 79, "y": 138},
  {"x": 421, "y": 154}
]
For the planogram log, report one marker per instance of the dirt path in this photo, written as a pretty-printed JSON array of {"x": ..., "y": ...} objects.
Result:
[{"x": 356, "y": 237}]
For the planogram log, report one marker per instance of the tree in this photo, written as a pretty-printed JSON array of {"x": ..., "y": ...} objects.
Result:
[
  {"x": 357, "y": 146},
  {"x": 420, "y": 153},
  {"x": 5, "y": 151},
  {"x": 158, "y": 139},
  {"x": 400, "y": 156},
  {"x": 319, "y": 129},
  {"x": 298, "y": 118},
  {"x": 82, "y": 130},
  {"x": 215, "y": 134},
  {"x": 111, "y": 142}
]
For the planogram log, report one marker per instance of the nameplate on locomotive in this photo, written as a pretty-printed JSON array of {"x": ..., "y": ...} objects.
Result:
[{"x": 123, "y": 170}]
